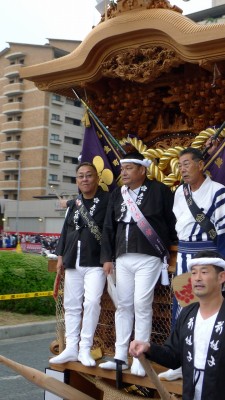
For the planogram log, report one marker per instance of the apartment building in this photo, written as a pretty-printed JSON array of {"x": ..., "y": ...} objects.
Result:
[{"x": 40, "y": 133}]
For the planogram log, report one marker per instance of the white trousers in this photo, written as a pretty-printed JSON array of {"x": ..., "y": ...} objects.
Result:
[
  {"x": 136, "y": 277},
  {"x": 82, "y": 292}
]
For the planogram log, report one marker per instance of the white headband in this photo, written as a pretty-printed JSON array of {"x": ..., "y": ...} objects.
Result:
[
  {"x": 219, "y": 262},
  {"x": 144, "y": 162}
]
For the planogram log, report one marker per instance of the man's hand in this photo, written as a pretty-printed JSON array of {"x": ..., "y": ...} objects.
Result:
[
  {"x": 63, "y": 203},
  {"x": 108, "y": 267},
  {"x": 137, "y": 348},
  {"x": 212, "y": 144}
]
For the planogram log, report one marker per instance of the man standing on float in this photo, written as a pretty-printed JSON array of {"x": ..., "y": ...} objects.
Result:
[
  {"x": 138, "y": 228},
  {"x": 199, "y": 207}
]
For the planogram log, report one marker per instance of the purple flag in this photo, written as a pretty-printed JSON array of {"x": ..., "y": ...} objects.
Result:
[
  {"x": 98, "y": 149},
  {"x": 216, "y": 163}
]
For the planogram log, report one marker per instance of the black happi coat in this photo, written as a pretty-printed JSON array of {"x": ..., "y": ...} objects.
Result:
[
  {"x": 178, "y": 351},
  {"x": 155, "y": 200},
  {"x": 75, "y": 229}
]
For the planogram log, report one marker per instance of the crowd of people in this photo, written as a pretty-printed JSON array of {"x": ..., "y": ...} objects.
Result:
[
  {"x": 133, "y": 228},
  {"x": 10, "y": 240}
]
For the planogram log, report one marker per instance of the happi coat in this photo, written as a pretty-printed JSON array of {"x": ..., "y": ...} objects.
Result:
[
  {"x": 155, "y": 200},
  {"x": 178, "y": 351},
  {"x": 75, "y": 229},
  {"x": 210, "y": 198}
]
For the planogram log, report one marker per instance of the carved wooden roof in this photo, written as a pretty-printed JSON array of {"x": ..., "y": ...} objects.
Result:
[
  {"x": 166, "y": 31},
  {"x": 146, "y": 71}
]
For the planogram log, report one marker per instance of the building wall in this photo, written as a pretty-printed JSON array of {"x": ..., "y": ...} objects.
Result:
[
  {"x": 31, "y": 160},
  {"x": 40, "y": 141},
  {"x": 36, "y": 216},
  {"x": 217, "y": 3}
]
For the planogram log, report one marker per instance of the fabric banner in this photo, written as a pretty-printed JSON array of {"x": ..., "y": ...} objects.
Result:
[
  {"x": 214, "y": 166},
  {"x": 98, "y": 149}
]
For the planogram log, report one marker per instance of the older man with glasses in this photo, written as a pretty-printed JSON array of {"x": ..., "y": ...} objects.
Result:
[{"x": 78, "y": 253}]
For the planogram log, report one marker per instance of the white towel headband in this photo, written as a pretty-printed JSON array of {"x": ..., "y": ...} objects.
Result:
[
  {"x": 219, "y": 262},
  {"x": 144, "y": 162}
]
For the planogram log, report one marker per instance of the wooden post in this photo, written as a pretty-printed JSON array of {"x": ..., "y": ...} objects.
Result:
[
  {"x": 46, "y": 382},
  {"x": 165, "y": 395}
]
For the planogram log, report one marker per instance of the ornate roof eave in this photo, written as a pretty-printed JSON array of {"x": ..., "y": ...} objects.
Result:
[{"x": 193, "y": 43}]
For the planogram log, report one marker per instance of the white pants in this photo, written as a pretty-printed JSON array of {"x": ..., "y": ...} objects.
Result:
[
  {"x": 136, "y": 277},
  {"x": 82, "y": 292}
]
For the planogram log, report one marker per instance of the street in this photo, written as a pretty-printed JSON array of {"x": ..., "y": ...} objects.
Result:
[{"x": 32, "y": 351}]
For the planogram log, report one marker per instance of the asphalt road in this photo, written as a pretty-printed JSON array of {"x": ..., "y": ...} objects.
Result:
[{"x": 32, "y": 351}]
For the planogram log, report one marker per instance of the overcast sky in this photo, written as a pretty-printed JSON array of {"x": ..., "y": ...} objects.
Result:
[{"x": 30, "y": 21}]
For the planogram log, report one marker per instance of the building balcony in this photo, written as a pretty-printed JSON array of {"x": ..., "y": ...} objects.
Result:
[
  {"x": 9, "y": 165},
  {"x": 9, "y": 185},
  {"x": 11, "y": 108},
  {"x": 56, "y": 121},
  {"x": 57, "y": 142},
  {"x": 12, "y": 70},
  {"x": 12, "y": 126},
  {"x": 58, "y": 102},
  {"x": 55, "y": 162},
  {"x": 53, "y": 182},
  {"x": 13, "y": 89},
  {"x": 11, "y": 145},
  {"x": 15, "y": 55}
]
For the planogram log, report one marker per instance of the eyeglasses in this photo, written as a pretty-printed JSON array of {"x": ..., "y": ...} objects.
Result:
[{"x": 87, "y": 176}]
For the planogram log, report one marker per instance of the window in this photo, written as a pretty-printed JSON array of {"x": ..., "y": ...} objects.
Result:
[
  {"x": 76, "y": 103},
  {"x": 53, "y": 177},
  {"x": 54, "y": 157},
  {"x": 71, "y": 160},
  {"x": 56, "y": 97},
  {"x": 6, "y": 196},
  {"x": 10, "y": 100},
  {"x": 71, "y": 140},
  {"x": 54, "y": 136},
  {"x": 7, "y": 177},
  {"x": 73, "y": 121},
  {"x": 55, "y": 117},
  {"x": 76, "y": 141},
  {"x": 8, "y": 139},
  {"x": 69, "y": 179}
]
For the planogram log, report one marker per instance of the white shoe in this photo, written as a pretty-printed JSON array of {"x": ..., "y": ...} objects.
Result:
[
  {"x": 86, "y": 359},
  {"x": 171, "y": 375},
  {"x": 112, "y": 365},
  {"x": 136, "y": 368},
  {"x": 69, "y": 354}
]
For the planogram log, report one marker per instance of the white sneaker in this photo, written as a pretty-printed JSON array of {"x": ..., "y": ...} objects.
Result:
[
  {"x": 171, "y": 375},
  {"x": 111, "y": 365},
  {"x": 69, "y": 354},
  {"x": 136, "y": 368},
  {"x": 86, "y": 359}
]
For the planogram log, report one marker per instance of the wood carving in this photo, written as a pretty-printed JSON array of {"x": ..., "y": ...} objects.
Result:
[
  {"x": 141, "y": 65},
  {"x": 121, "y": 6}
]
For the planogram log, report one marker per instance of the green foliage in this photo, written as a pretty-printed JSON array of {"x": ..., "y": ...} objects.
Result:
[{"x": 26, "y": 273}]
